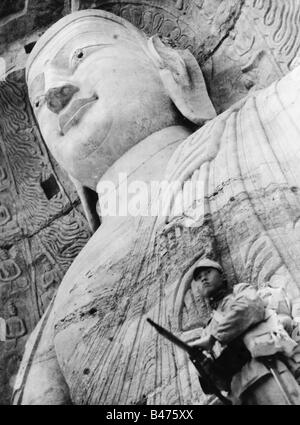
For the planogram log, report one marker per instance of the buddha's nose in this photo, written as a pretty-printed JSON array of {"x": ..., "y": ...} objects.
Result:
[{"x": 57, "y": 98}]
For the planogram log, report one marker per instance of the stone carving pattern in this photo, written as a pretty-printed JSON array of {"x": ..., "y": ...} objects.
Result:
[
  {"x": 255, "y": 183},
  {"x": 22, "y": 17},
  {"x": 32, "y": 227},
  {"x": 254, "y": 251},
  {"x": 275, "y": 36},
  {"x": 263, "y": 247},
  {"x": 190, "y": 24},
  {"x": 263, "y": 45},
  {"x": 14, "y": 324},
  {"x": 279, "y": 23},
  {"x": 9, "y": 8}
]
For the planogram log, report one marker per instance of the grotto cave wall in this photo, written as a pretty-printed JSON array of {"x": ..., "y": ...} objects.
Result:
[{"x": 241, "y": 45}]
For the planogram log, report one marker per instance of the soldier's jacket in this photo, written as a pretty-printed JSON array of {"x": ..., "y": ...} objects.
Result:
[
  {"x": 232, "y": 317},
  {"x": 235, "y": 313}
]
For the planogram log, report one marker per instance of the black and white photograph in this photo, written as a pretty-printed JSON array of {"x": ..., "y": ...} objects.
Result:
[{"x": 150, "y": 205}]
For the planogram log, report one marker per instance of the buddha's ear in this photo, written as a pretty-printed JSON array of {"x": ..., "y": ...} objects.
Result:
[
  {"x": 88, "y": 198},
  {"x": 183, "y": 80}
]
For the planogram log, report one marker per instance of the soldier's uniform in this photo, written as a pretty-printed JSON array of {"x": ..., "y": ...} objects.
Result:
[{"x": 232, "y": 315}]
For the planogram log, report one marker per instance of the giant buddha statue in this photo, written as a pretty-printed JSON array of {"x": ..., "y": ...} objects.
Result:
[{"x": 120, "y": 110}]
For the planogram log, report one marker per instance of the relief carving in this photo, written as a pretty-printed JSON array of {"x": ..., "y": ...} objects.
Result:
[
  {"x": 5, "y": 216},
  {"x": 39, "y": 213},
  {"x": 49, "y": 278},
  {"x": 4, "y": 182},
  {"x": 15, "y": 326},
  {"x": 262, "y": 47},
  {"x": 195, "y": 24},
  {"x": 250, "y": 212},
  {"x": 9, "y": 270}
]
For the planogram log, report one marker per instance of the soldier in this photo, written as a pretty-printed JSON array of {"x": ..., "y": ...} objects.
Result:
[
  {"x": 243, "y": 313},
  {"x": 108, "y": 101}
]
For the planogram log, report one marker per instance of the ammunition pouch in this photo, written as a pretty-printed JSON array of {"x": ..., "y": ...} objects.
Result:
[{"x": 268, "y": 338}]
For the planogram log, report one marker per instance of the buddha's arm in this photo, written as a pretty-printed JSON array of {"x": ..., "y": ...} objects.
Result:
[{"x": 40, "y": 380}]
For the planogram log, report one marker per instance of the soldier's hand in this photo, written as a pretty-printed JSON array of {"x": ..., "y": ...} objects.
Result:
[{"x": 205, "y": 343}]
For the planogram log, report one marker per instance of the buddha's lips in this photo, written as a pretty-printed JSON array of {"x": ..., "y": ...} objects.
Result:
[{"x": 74, "y": 112}]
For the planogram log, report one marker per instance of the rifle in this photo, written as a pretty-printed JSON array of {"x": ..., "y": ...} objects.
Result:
[
  {"x": 198, "y": 358},
  {"x": 269, "y": 362}
]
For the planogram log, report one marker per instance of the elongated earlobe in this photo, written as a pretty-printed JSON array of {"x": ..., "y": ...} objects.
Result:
[
  {"x": 183, "y": 80},
  {"x": 88, "y": 200}
]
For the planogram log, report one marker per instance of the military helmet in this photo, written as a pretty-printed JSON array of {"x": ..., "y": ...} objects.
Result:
[{"x": 204, "y": 263}]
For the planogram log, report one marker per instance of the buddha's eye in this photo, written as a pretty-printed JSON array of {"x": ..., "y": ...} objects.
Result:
[{"x": 77, "y": 57}]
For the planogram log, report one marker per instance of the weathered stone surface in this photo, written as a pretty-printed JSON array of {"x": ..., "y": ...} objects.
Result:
[
  {"x": 42, "y": 227},
  {"x": 22, "y": 23},
  {"x": 242, "y": 46},
  {"x": 262, "y": 47},
  {"x": 10, "y": 7},
  {"x": 134, "y": 267},
  {"x": 106, "y": 351},
  {"x": 199, "y": 25},
  {"x": 20, "y": 18},
  {"x": 253, "y": 46}
]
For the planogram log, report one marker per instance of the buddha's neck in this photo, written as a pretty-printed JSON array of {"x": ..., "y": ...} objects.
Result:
[{"x": 141, "y": 166}]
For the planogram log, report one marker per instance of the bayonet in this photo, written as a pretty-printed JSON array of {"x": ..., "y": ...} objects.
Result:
[{"x": 197, "y": 357}]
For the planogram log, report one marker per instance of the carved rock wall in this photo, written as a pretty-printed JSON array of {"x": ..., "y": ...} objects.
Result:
[
  {"x": 248, "y": 158},
  {"x": 242, "y": 45},
  {"x": 42, "y": 227},
  {"x": 262, "y": 47},
  {"x": 199, "y": 25},
  {"x": 253, "y": 204},
  {"x": 19, "y": 18},
  {"x": 22, "y": 22}
]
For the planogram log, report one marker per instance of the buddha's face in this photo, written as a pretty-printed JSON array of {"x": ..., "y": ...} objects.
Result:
[{"x": 95, "y": 94}]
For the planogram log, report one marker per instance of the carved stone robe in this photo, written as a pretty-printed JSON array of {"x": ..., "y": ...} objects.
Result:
[{"x": 248, "y": 159}]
